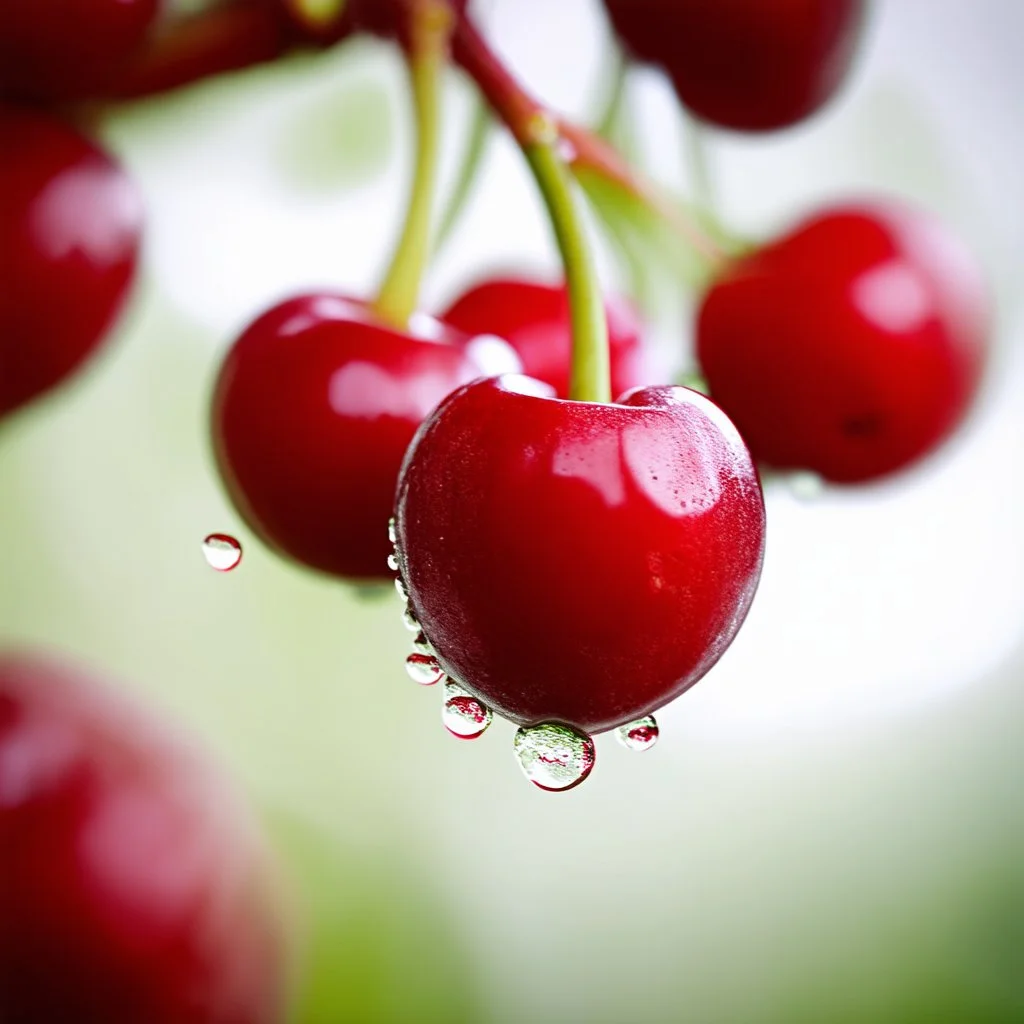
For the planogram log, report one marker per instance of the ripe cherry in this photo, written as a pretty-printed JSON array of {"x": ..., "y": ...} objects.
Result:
[
  {"x": 534, "y": 319},
  {"x": 70, "y": 221},
  {"x": 133, "y": 884},
  {"x": 68, "y": 49},
  {"x": 753, "y": 65},
  {"x": 851, "y": 346},
  {"x": 578, "y": 562},
  {"x": 315, "y": 406}
]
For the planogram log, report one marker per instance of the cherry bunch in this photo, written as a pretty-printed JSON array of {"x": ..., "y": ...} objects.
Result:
[{"x": 570, "y": 562}]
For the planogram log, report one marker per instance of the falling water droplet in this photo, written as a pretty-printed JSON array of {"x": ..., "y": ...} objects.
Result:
[
  {"x": 424, "y": 669},
  {"x": 400, "y": 587},
  {"x": 392, "y": 531},
  {"x": 463, "y": 714},
  {"x": 639, "y": 735},
  {"x": 422, "y": 644},
  {"x": 410, "y": 621},
  {"x": 393, "y": 562},
  {"x": 222, "y": 552},
  {"x": 553, "y": 756}
]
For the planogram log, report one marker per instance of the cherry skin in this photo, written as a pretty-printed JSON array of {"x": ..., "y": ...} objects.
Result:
[
  {"x": 314, "y": 408},
  {"x": 534, "y": 319},
  {"x": 133, "y": 883},
  {"x": 851, "y": 346},
  {"x": 68, "y": 49},
  {"x": 752, "y": 65},
  {"x": 70, "y": 223},
  {"x": 578, "y": 562}
]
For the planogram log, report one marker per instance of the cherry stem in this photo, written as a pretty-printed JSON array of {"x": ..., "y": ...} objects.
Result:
[
  {"x": 537, "y": 134},
  {"x": 427, "y": 56},
  {"x": 588, "y": 155}
]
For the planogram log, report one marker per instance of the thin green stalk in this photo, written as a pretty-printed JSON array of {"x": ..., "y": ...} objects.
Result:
[{"x": 472, "y": 158}]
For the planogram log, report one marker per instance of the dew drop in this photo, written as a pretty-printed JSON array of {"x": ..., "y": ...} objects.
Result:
[
  {"x": 639, "y": 735},
  {"x": 410, "y": 621},
  {"x": 554, "y": 756},
  {"x": 392, "y": 531},
  {"x": 222, "y": 552},
  {"x": 424, "y": 669},
  {"x": 422, "y": 644},
  {"x": 400, "y": 587},
  {"x": 393, "y": 562},
  {"x": 463, "y": 714}
]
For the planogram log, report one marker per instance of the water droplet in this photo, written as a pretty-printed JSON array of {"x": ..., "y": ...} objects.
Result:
[
  {"x": 806, "y": 486},
  {"x": 400, "y": 587},
  {"x": 422, "y": 644},
  {"x": 410, "y": 621},
  {"x": 463, "y": 714},
  {"x": 639, "y": 735},
  {"x": 222, "y": 552},
  {"x": 392, "y": 531},
  {"x": 424, "y": 669},
  {"x": 553, "y": 756},
  {"x": 393, "y": 562},
  {"x": 542, "y": 129}
]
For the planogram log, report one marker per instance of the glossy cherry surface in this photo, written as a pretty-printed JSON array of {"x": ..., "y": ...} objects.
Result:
[
  {"x": 70, "y": 221},
  {"x": 315, "y": 406},
  {"x": 852, "y": 346},
  {"x": 534, "y": 319},
  {"x": 578, "y": 562},
  {"x": 752, "y": 65},
  {"x": 68, "y": 49},
  {"x": 133, "y": 883}
]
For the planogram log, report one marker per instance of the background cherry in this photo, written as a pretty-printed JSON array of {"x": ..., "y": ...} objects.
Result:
[
  {"x": 534, "y": 319},
  {"x": 68, "y": 49},
  {"x": 314, "y": 408},
  {"x": 133, "y": 885},
  {"x": 753, "y": 65},
  {"x": 852, "y": 345},
  {"x": 70, "y": 221},
  {"x": 575, "y": 561}
]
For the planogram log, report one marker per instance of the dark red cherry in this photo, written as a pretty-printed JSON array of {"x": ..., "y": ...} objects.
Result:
[
  {"x": 573, "y": 561},
  {"x": 68, "y": 49},
  {"x": 133, "y": 883},
  {"x": 70, "y": 221},
  {"x": 851, "y": 346},
  {"x": 753, "y": 65},
  {"x": 315, "y": 406},
  {"x": 534, "y": 319}
]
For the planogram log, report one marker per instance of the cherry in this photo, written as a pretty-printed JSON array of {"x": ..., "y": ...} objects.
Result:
[
  {"x": 133, "y": 885},
  {"x": 852, "y": 345},
  {"x": 68, "y": 49},
  {"x": 578, "y": 562},
  {"x": 753, "y": 65},
  {"x": 70, "y": 221},
  {"x": 314, "y": 408},
  {"x": 534, "y": 319}
]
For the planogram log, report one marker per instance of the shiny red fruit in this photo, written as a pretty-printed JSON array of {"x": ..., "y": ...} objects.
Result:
[
  {"x": 573, "y": 561},
  {"x": 753, "y": 65},
  {"x": 315, "y": 406},
  {"x": 534, "y": 319},
  {"x": 852, "y": 346},
  {"x": 70, "y": 221},
  {"x": 133, "y": 884},
  {"x": 68, "y": 49}
]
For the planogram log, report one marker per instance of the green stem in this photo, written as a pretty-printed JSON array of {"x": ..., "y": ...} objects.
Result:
[
  {"x": 427, "y": 58},
  {"x": 476, "y": 146},
  {"x": 607, "y": 124}
]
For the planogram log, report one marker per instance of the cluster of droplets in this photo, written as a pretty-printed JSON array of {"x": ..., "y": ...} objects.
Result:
[{"x": 553, "y": 756}]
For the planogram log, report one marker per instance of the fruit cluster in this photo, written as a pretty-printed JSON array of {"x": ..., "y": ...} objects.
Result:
[{"x": 568, "y": 561}]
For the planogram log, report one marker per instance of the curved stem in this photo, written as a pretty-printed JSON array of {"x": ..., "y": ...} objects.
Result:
[
  {"x": 607, "y": 123},
  {"x": 427, "y": 56},
  {"x": 472, "y": 157}
]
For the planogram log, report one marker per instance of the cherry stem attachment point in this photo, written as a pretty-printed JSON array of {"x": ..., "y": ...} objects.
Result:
[{"x": 427, "y": 56}]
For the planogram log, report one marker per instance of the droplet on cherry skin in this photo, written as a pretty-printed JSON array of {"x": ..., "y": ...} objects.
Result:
[
  {"x": 639, "y": 735},
  {"x": 554, "y": 757},
  {"x": 424, "y": 669},
  {"x": 393, "y": 562},
  {"x": 222, "y": 551},
  {"x": 421, "y": 644},
  {"x": 392, "y": 532},
  {"x": 464, "y": 715},
  {"x": 400, "y": 587},
  {"x": 410, "y": 621}
]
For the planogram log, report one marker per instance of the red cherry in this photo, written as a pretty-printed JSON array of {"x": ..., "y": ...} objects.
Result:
[
  {"x": 68, "y": 49},
  {"x": 70, "y": 221},
  {"x": 534, "y": 319},
  {"x": 753, "y": 65},
  {"x": 133, "y": 884},
  {"x": 315, "y": 406},
  {"x": 573, "y": 561},
  {"x": 852, "y": 346}
]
